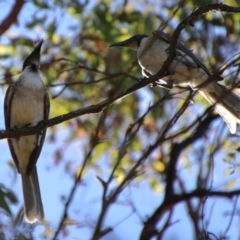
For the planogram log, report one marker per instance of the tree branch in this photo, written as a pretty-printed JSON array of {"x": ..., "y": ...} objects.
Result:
[
  {"x": 92, "y": 144},
  {"x": 189, "y": 21},
  {"x": 149, "y": 229},
  {"x": 12, "y": 16},
  {"x": 177, "y": 198},
  {"x": 17, "y": 132}
]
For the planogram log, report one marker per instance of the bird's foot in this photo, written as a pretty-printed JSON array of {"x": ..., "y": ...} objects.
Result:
[
  {"x": 16, "y": 128},
  {"x": 142, "y": 79},
  {"x": 42, "y": 123},
  {"x": 168, "y": 85},
  {"x": 27, "y": 125}
]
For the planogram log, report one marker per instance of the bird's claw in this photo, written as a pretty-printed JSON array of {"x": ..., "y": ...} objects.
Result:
[
  {"x": 16, "y": 128},
  {"x": 167, "y": 85},
  {"x": 42, "y": 123},
  {"x": 141, "y": 79}
]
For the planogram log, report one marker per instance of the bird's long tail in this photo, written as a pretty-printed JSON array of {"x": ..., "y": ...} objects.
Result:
[
  {"x": 226, "y": 103},
  {"x": 33, "y": 208}
]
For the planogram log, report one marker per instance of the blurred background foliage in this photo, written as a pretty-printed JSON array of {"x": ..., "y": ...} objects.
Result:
[{"x": 79, "y": 70}]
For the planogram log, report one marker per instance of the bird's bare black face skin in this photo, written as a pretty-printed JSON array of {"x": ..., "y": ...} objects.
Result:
[
  {"x": 133, "y": 42},
  {"x": 34, "y": 57},
  {"x": 33, "y": 68},
  {"x": 138, "y": 38}
]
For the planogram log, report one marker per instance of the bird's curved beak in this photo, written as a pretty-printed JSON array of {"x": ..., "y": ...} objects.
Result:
[
  {"x": 38, "y": 46},
  {"x": 132, "y": 42}
]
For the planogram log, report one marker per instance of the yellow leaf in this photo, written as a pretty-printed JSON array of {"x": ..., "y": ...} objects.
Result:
[
  {"x": 230, "y": 184},
  {"x": 124, "y": 31},
  {"x": 7, "y": 50},
  {"x": 48, "y": 233},
  {"x": 227, "y": 172},
  {"x": 119, "y": 175},
  {"x": 159, "y": 166},
  {"x": 55, "y": 38},
  {"x": 69, "y": 221},
  {"x": 72, "y": 11},
  {"x": 156, "y": 186}
]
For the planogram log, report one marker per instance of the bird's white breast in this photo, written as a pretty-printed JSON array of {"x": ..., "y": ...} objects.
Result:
[
  {"x": 151, "y": 54},
  {"x": 27, "y": 108}
]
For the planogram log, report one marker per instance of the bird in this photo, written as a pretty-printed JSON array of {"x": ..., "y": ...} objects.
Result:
[
  {"x": 186, "y": 69},
  {"x": 26, "y": 104}
]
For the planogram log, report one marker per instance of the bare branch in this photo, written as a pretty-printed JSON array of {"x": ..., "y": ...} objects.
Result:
[
  {"x": 189, "y": 21},
  {"x": 170, "y": 198},
  {"x": 13, "y": 133},
  {"x": 149, "y": 226},
  {"x": 12, "y": 16},
  {"x": 92, "y": 144}
]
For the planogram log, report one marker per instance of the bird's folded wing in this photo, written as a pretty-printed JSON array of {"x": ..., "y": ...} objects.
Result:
[{"x": 181, "y": 51}]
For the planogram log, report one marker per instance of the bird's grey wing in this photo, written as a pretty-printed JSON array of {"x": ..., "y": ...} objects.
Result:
[
  {"x": 7, "y": 106},
  {"x": 182, "y": 53},
  {"x": 7, "y": 117},
  {"x": 40, "y": 137},
  {"x": 46, "y": 105}
]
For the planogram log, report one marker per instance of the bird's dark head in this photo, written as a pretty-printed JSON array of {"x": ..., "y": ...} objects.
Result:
[
  {"x": 33, "y": 59},
  {"x": 133, "y": 42}
]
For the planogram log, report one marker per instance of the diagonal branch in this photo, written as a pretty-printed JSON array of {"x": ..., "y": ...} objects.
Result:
[
  {"x": 189, "y": 21},
  {"x": 12, "y": 16},
  {"x": 13, "y": 133},
  {"x": 149, "y": 226},
  {"x": 92, "y": 144},
  {"x": 99, "y": 107}
]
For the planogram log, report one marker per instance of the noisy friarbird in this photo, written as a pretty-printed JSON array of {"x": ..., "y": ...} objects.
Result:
[
  {"x": 185, "y": 69},
  {"x": 26, "y": 104}
]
